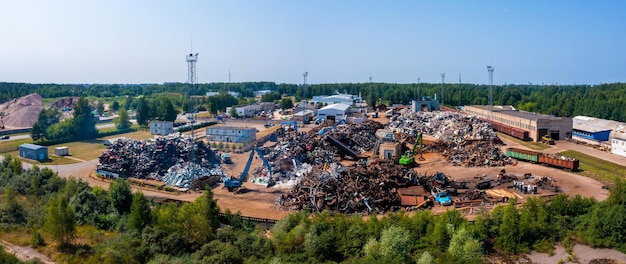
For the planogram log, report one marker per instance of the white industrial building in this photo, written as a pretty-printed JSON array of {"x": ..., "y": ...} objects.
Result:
[
  {"x": 245, "y": 110},
  {"x": 618, "y": 145},
  {"x": 338, "y": 99},
  {"x": 594, "y": 131},
  {"x": 231, "y": 134},
  {"x": 333, "y": 112},
  {"x": 161, "y": 128}
]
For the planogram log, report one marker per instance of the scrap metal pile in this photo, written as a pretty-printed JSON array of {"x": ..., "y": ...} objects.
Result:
[
  {"x": 464, "y": 140},
  {"x": 152, "y": 158},
  {"x": 349, "y": 189}
]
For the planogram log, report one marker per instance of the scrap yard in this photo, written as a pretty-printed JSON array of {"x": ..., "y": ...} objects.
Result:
[{"x": 456, "y": 161}]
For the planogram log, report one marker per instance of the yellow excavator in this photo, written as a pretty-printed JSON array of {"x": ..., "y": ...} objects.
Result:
[{"x": 547, "y": 139}]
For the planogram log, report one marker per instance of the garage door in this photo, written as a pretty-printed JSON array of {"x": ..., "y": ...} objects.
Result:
[{"x": 555, "y": 135}]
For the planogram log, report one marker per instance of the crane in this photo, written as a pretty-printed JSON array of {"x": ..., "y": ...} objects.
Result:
[
  {"x": 324, "y": 130},
  {"x": 409, "y": 157},
  {"x": 235, "y": 185}
]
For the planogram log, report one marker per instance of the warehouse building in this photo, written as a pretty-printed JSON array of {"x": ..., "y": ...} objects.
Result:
[
  {"x": 304, "y": 116},
  {"x": 161, "y": 128},
  {"x": 618, "y": 145},
  {"x": 425, "y": 105},
  {"x": 338, "y": 99},
  {"x": 333, "y": 112},
  {"x": 33, "y": 152},
  {"x": 602, "y": 132},
  {"x": 252, "y": 110},
  {"x": 231, "y": 134},
  {"x": 522, "y": 124}
]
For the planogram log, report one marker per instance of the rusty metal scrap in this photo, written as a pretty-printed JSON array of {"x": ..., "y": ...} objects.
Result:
[
  {"x": 150, "y": 159},
  {"x": 349, "y": 190},
  {"x": 464, "y": 140}
]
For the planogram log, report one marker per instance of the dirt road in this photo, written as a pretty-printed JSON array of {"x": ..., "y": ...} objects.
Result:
[{"x": 25, "y": 253}]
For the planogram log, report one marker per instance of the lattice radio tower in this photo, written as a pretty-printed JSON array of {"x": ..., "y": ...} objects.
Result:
[{"x": 192, "y": 79}]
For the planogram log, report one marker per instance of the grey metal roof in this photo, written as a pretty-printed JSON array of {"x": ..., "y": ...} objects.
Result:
[
  {"x": 510, "y": 110},
  {"x": 591, "y": 129},
  {"x": 32, "y": 146},
  {"x": 340, "y": 107}
]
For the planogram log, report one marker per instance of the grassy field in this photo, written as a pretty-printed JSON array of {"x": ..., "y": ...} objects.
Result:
[
  {"x": 528, "y": 144},
  {"x": 596, "y": 168},
  {"x": 79, "y": 150}
]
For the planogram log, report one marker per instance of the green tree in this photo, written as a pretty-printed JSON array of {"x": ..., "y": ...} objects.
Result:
[
  {"x": 11, "y": 211},
  {"x": 61, "y": 131},
  {"x": 83, "y": 122},
  {"x": 140, "y": 213},
  {"x": 115, "y": 106},
  {"x": 465, "y": 247},
  {"x": 121, "y": 196},
  {"x": 426, "y": 258},
  {"x": 166, "y": 110},
  {"x": 143, "y": 112},
  {"x": 617, "y": 195},
  {"x": 123, "y": 120},
  {"x": 100, "y": 107},
  {"x": 233, "y": 112},
  {"x": 508, "y": 230},
  {"x": 286, "y": 103},
  {"x": 395, "y": 242},
  {"x": 60, "y": 221},
  {"x": 46, "y": 119}
]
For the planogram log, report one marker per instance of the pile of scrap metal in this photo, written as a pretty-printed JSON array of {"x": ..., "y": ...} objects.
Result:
[
  {"x": 295, "y": 149},
  {"x": 355, "y": 189},
  {"x": 152, "y": 158},
  {"x": 464, "y": 140}
]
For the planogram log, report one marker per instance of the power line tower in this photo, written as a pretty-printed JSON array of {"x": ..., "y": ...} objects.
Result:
[
  {"x": 490, "y": 70},
  {"x": 443, "y": 80}
]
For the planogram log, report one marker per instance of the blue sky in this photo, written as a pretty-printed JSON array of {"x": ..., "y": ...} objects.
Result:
[{"x": 564, "y": 42}]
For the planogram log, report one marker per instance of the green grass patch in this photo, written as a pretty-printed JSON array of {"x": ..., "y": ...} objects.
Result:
[
  {"x": 596, "y": 168},
  {"x": 7, "y": 146},
  {"x": 79, "y": 150},
  {"x": 528, "y": 144}
]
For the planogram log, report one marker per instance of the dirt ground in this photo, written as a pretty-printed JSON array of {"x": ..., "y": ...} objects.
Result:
[
  {"x": 26, "y": 253},
  {"x": 584, "y": 254},
  {"x": 260, "y": 201}
]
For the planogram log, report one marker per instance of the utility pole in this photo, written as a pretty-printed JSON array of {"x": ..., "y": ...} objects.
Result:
[
  {"x": 419, "y": 92},
  {"x": 443, "y": 80},
  {"x": 490, "y": 70}
]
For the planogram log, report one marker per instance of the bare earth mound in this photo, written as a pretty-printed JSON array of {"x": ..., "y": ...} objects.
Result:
[{"x": 21, "y": 112}]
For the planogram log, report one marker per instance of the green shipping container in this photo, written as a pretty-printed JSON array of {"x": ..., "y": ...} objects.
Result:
[{"x": 522, "y": 154}]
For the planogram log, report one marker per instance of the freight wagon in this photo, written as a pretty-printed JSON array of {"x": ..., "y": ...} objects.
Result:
[
  {"x": 511, "y": 131},
  {"x": 561, "y": 162}
]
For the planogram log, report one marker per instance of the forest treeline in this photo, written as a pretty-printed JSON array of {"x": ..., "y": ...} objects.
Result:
[
  {"x": 601, "y": 101},
  {"x": 78, "y": 224}
]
